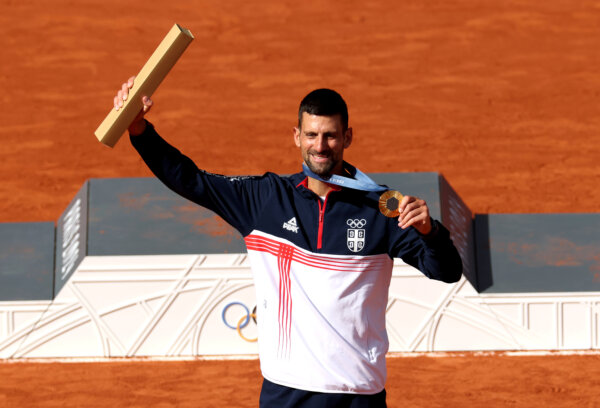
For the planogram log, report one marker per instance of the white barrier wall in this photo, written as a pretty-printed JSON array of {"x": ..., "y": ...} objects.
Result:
[{"x": 177, "y": 305}]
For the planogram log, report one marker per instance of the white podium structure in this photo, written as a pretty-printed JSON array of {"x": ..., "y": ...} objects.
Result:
[{"x": 136, "y": 271}]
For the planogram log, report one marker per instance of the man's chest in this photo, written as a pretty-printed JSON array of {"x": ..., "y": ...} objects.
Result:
[{"x": 327, "y": 226}]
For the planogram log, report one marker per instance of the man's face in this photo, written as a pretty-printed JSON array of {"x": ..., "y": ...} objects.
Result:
[{"x": 322, "y": 141}]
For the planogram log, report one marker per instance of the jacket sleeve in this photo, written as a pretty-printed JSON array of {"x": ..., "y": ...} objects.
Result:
[
  {"x": 434, "y": 255},
  {"x": 238, "y": 200}
]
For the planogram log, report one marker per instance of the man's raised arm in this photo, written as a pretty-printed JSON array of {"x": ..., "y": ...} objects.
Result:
[{"x": 236, "y": 200}]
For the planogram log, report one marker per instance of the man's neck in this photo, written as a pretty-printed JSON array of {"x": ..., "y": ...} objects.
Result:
[
  {"x": 321, "y": 188},
  {"x": 318, "y": 187}
]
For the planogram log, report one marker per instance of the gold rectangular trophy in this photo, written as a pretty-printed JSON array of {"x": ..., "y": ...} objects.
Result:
[{"x": 152, "y": 74}]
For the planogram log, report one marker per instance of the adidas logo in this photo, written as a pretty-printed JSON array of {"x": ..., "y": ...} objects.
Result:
[{"x": 291, "y": 225}]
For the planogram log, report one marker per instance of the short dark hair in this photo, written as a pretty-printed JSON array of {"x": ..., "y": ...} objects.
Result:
[{"x": 324, "y": 102}]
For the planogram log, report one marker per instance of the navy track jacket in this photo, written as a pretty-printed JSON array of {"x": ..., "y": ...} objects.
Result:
[{"x": 322, "y": 268}]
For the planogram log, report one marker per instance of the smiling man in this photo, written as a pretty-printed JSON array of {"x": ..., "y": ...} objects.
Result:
[
  {"x": 321, "y": 255},
  {"x": 323, "y": 134}
]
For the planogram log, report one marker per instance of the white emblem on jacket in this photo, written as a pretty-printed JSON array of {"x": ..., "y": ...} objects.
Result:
[
  {"x": 291, "y": 225},
  {"x": 356, "y": 234}
]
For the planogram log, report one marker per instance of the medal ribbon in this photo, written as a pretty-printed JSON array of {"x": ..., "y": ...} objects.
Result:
[{"x": 360, "y": 181}]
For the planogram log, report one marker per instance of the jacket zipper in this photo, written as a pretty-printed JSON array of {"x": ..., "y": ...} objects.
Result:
[
  {"x": 304, "y": 183},
  {"x": 321, "y": 219}
]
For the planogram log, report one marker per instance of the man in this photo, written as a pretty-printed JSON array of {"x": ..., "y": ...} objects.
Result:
[{"x": 321, "y": 256}]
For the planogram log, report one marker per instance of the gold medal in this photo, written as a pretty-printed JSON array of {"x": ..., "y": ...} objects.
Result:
[{"x": 389, "y": 202}]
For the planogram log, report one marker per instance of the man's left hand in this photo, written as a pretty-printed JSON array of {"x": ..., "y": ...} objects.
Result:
[{"x": 414, "y": 212}]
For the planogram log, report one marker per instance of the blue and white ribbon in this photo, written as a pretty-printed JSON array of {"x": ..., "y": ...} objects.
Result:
[{"x": 360, "y": 181}]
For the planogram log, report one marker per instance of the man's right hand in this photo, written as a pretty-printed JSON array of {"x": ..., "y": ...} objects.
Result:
[{"x": 139, "y": 124}]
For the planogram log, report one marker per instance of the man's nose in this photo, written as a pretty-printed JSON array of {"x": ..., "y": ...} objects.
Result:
[{"x": 321, "y": 143}]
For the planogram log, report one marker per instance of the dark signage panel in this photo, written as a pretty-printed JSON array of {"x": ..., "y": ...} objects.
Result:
[
  {"x": 71, "y": 238},
  {"x": 458, "y": 218},
  {"x": 140, "y": 216},
  {"x": 538, "y": 252},
  {"x": 26, "y": 261}
]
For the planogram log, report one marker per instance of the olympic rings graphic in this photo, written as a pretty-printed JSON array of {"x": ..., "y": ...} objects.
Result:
[
  {"x": 243, "y": 322},
  {"x": 239, "y": 329},
  {"x": 356, "y": 223}
]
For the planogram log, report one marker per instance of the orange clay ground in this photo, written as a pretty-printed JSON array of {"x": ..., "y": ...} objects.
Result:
[
  {"x": 485, "y": 381},
  {"x": 501, "y": 97}
]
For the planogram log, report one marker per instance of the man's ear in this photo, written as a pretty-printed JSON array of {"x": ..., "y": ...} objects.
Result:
[
  {"x": 297, "y": 136},
  {"x": 347, "y": 138}
]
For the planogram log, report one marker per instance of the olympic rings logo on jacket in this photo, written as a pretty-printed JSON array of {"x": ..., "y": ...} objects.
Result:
[{"x": 356, "y": 223}]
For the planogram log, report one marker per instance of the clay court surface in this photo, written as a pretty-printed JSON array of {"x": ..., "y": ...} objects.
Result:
[
  {"x": 458, "y": 381},
  {"x": 501, "y": 97}
]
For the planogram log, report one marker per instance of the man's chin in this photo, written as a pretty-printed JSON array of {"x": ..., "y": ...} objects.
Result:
[{"x": 324, "y": 172}]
